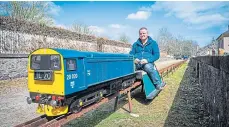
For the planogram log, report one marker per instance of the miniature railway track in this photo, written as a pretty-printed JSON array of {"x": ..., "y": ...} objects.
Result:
[
  {"x": 44, "y": 121},
  {"x": 34, "y": 122}
]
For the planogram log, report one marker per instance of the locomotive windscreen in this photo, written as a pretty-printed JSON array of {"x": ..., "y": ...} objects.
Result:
[{"x": 45, "y": 62}]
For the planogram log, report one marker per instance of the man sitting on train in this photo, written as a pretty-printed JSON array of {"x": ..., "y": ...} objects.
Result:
[{"x": 146, "y": 52}]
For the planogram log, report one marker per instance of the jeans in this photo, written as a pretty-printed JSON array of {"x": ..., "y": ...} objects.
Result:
[{"x": 152, "y": 72}]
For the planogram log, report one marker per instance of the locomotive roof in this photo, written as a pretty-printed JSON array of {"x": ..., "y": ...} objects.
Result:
[{"x": 68, "y": 53}]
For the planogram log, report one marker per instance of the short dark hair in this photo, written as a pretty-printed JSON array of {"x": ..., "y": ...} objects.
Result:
[{"x": 142, "y": 28}]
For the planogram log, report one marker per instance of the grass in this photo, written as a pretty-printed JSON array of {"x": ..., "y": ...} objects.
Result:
[{"x": 151, "y": 114}]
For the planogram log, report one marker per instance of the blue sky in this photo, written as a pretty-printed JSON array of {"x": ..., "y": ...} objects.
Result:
[{"x": 198, "y": 21}]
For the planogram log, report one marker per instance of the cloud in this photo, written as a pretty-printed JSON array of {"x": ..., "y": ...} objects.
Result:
[
  {"x": 53, "y": 8},
  {"x": 140, "y": 15},
  {"x": 207, "y": 19},
  {"x": 195, "y": 14},
  {"x": 118, "y": 26},
  {"x": 115, "y": 26},
  {"x": 61, "y": 26},
  {"x": 97, "y": 30},
  {"x": 114, "y": 31}
]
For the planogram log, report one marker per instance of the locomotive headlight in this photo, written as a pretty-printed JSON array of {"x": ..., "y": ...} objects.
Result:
[
  {"x": 55, "y": 62},
  {"x": 53, "y": 103},
  {"x": 35, "y": 61}
]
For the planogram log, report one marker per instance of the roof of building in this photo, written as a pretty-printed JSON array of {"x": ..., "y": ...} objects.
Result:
[{"x": 225, "y": 34}]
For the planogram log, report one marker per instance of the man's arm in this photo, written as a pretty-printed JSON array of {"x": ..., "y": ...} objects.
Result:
[
  {"x": 155, "y": 53},
  {"x": 132, "y": 51}
]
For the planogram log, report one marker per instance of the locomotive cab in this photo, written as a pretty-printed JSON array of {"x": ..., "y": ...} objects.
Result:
[{"x": 45, "y": 79}]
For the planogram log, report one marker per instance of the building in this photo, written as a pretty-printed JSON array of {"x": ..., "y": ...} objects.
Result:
[
  {"x": 209, "y": 50},
  {"x": 223, "y": 42}
]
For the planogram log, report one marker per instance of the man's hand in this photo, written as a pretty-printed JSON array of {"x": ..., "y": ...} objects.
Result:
[
  {"x": 144, "y": 61},
  {"x": 136, "y": 61}
]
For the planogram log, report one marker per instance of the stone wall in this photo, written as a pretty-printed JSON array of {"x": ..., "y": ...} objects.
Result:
[
  {"x": 24, "y": 43},
  {"x": 212, "y": 73},
  {"x": 18, "y": 38},
  {"x": 13, "y": 68}
]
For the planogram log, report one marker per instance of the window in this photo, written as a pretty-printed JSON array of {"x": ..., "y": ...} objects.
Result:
[
  {"x": 55, "y": 62},
  {"x": 71, "y": 64},
  {"x": 35, "y": 62},
  {"x": 222, "y": 44},
  {"x": 45, "y": 62}
]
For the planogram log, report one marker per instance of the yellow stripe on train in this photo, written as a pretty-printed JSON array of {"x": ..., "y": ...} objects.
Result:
[{"x": 56, "y": 86}]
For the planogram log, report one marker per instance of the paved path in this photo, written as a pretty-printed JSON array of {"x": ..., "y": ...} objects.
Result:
[{"x": 163, "y": 64}]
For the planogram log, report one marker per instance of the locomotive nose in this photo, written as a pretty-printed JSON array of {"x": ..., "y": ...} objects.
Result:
[{"x": 29, "y": 100}]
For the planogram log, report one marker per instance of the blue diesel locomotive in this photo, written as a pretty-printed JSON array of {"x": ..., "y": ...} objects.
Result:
[{"x": 63, "y": 80}]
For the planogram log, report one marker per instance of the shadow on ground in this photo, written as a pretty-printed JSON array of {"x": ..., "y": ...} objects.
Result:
[
  {"x": 187, "y": 106},
  {"x": 94, "y": 117},
  {"x": 141, "y": 98}
]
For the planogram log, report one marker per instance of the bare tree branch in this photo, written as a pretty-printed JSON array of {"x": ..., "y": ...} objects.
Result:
[
  {"x": 124, "y": 38},
  {"x": 176, "y": 45},
  {"x": 81, "y": 28},
  {"x": 33, "y": 11}
]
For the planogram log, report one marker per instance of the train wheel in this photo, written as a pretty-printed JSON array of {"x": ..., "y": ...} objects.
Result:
[{"x": 75, "y": 107}]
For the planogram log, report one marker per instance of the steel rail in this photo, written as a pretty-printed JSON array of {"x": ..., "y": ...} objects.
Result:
[{"x": 34, "y": 122}]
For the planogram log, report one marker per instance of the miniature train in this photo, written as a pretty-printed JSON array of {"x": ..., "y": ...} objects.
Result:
[{"x": 64, "y": 80}]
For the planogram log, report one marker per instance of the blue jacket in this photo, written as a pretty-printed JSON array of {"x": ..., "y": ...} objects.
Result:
[{"x": 149, "y": 51}]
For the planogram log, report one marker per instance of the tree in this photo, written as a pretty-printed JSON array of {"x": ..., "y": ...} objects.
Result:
[
  {"x": 33, "y": 11},
  {"x": 124, "y": 38},
  {"x": 176, "y": 45},
  {"x": 81, "y": 28},
  {"x": 165, "y": 40}
]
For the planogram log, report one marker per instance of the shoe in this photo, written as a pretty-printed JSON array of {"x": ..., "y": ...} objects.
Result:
[
  {"x": 163, "y": 84},
  {"x": 160, "y": 87}
]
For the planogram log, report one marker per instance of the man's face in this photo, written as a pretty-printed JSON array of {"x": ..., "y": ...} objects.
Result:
[{"x": 143, "y": 34}]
